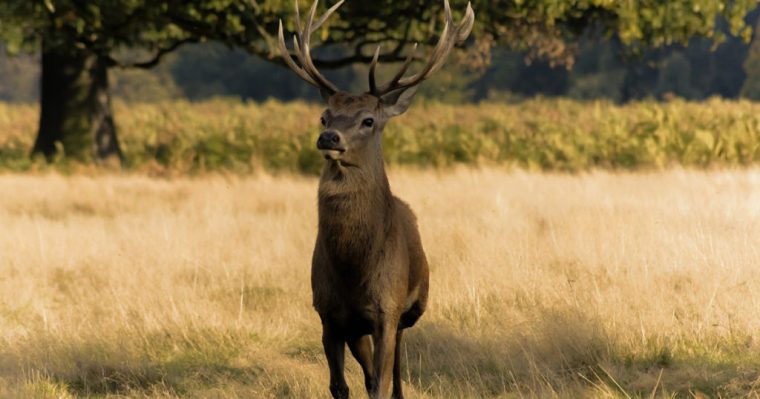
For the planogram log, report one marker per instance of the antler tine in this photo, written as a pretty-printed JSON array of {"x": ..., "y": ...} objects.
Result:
[
  {"x": 324, "y": 17},
  {"x": 289, "y": 60},
  {"x": 299, "y": 54},
  {"x": 306, "y": 52},
  {"x": 455, "y": 36},
  {"x": 439, "y": 53},
  {"x": 450, "y": 36},
  {"x": 465, "y": 27},
  {"x": 314, "y": 72},
  {"x": 372, "y": 66},
  {"x": 400, "y": 73},
  {"x": 299, "y": 32},
  {"x": 306, "y": 39},
  {"x": 304, "y": 57},
  {"x": 302, "y": 49}
]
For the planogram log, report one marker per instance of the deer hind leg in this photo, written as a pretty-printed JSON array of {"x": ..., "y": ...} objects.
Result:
[
  {"x": 397, "y": 391},
  {"x": 361, "y": 348},
  {"x": 335, "y": 347}
]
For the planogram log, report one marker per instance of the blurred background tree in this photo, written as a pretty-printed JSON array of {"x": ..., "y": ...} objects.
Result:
[
  {"x": 578, "y": 48},
  {"x": 80, "y": 41}
]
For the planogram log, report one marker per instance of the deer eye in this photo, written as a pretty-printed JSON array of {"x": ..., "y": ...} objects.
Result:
[
  {"x": 368, "y": 122},
  {"x": 323, "y": 121}
]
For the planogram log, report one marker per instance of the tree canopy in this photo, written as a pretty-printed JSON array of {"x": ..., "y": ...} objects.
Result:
[
  {"x": 547, "y": 27},
  {"x": 81, "y": 40}
]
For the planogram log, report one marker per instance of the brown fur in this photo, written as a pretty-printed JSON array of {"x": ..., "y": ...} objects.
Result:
[{"x": 369, "y": 272}]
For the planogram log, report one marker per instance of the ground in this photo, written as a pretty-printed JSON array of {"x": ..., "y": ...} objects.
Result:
[{"x": 542, "y": 285}]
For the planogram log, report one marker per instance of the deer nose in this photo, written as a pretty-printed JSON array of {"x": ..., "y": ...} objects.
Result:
[{"x": 329, "y": 140}]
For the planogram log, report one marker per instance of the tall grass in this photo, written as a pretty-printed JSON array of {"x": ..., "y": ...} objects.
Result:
[
  {"x": 606, "y": 285},
  {"x": 536, "y": 135}
]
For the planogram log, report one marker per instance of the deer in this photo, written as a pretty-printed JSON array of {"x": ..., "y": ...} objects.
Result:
[{"x": 369, "y": 272}]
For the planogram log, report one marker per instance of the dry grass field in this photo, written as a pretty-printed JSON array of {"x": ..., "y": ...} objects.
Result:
[{"x": 543, "y": 285}]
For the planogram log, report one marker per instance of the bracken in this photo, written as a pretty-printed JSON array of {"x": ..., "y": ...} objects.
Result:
[{"x": 539, "y": 134}]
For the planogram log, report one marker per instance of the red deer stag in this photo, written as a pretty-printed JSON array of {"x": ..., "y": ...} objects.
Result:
[{"x": 369, "y": 273}]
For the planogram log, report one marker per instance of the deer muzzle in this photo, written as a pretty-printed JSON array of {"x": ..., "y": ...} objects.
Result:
[{"x": 330, "y": 144}]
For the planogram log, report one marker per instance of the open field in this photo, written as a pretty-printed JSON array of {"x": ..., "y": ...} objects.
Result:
[
  {"x": 176, "y": 137},
  {"x": 543, "y": 285}
]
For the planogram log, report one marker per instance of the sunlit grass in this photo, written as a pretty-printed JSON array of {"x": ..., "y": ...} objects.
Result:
[{"x": 542, "y": 285}]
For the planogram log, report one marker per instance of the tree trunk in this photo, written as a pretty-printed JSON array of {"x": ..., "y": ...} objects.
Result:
[{"x": 75, "y": 114}]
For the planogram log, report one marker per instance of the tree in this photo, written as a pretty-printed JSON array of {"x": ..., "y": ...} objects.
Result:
[
  {"x": 751, "y": 86},
  {"x": 80, "y": 41}
]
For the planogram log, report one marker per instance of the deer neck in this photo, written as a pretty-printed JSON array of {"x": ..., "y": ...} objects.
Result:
[{"x": 355, "y": 205}]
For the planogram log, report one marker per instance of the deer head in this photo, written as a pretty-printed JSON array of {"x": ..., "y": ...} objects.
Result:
[{"x": 353, "y": 123}]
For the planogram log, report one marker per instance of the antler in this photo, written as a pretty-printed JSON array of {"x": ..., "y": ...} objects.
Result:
[
  {"x": 301, "y": 46},
  {"x": 450, "y": 36}
]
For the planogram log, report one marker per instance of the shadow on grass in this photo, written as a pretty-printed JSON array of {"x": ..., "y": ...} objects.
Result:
[
  {"x": 555, "y": 354},
  {"x": 177, "y": 376},
  {"x": 545, "y": 355},
  {"x": 567, "y": 355},
  {"x": 156, "y": 363}
]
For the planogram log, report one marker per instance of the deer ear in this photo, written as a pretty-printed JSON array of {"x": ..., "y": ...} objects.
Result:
[{"x": 396, "y": 102}]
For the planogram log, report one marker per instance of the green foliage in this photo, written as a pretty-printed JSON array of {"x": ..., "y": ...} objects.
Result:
[
  {"x": 564, "y": 135},
  {"x": 751, "y": 87},
  {"x": 545, "y": 25}
]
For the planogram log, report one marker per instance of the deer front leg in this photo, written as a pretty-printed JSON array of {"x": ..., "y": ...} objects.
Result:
[
  {"x": 335, "y": 347},
  {"x": 361, "y": 348},
  {"x": 398, "y": 393},
  {"x": 384, "y": 339}
]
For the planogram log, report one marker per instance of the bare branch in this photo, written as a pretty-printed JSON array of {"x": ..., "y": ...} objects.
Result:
[{"x": 160, "y": 53}]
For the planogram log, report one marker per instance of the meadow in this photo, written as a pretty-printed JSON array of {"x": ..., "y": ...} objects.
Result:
[
  {"x": 607, "y": 284},
  {"x": 179, "y": 137}
]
